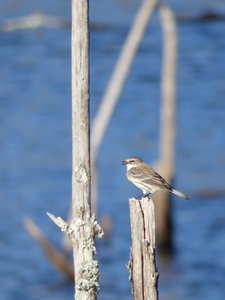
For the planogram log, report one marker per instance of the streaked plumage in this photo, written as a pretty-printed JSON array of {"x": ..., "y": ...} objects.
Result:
[{"x": 146, "y": 178}]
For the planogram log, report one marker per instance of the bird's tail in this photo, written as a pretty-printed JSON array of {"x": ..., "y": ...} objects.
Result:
[{"x": 178, "y": 193}]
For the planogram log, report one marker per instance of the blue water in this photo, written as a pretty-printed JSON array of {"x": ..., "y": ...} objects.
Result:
[{"x": 35, "y": 138}]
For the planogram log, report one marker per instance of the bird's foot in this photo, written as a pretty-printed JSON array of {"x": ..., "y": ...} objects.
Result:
[
  {"x": 148, "y": 195},
  {"x": 143, "y": 196}
]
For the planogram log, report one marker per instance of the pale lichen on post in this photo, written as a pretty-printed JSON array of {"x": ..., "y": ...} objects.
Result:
[
  {"x": 78, "y": 224},
  {"x": 73, "y": 227},
  {"x": 98, "y": 231},
  {"x": 90, "y": 282},
  {"x": 129, "y": 265},
  {"x": 89, "y": 245},
  {"x": 89, "y": 279}
]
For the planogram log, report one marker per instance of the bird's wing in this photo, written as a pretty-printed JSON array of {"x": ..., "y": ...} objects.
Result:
[{"x": 148, "y": 176}]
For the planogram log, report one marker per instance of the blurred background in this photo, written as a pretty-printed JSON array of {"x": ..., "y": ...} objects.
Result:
[{"x": 35, "y": 152}]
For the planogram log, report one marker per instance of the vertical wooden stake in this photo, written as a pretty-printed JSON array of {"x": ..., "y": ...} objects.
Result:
[
  {"x": 168, "y": 128},
  {"x": 83, "y": 224},
  {"x": 168, "y": 86},
  {"x": 142, "y": 265}
]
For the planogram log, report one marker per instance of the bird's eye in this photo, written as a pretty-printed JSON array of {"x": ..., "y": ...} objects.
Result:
[{"x": 131, "y": 161}]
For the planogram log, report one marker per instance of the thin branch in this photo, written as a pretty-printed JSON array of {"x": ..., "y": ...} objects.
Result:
[{"x": 61, "y": 224}]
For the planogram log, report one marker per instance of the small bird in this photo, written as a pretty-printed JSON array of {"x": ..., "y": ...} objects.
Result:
[{"x": 146, "y": 178}]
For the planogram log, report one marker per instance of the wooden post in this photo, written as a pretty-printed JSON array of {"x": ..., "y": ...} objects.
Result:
[
  {"x": 164, "y": 227},
  {"x": 86, "y": 267},
  {"x": 142, "y": 265},
  {"x": 84, "y": 226},
  {"x": 168, "y": 111},
  {"x": 168, "y": 128}
]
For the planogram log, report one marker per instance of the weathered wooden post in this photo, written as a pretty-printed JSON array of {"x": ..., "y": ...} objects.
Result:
[
  {"x": 142, "y": 264},
  {"x": 84, "y": 226},
  {"x": 86, "y": 267},
  {"x": 168, "y": 128}
]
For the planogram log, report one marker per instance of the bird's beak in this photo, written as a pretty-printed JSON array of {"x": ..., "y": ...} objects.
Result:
[{"x": 123, "y": 162}]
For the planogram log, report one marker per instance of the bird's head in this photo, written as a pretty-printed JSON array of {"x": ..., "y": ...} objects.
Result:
[{"x": 131, "y": 162}]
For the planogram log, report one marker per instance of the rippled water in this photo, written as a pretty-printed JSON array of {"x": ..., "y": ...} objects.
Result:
[{"x": 35, "y": 136}]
